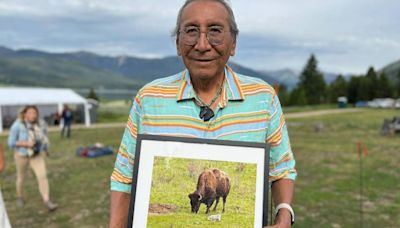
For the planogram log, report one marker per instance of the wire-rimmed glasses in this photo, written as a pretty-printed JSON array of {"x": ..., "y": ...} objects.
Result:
[{"x": 190, "y": 35}]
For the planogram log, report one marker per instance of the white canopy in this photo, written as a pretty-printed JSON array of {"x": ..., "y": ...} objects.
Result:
[{"x": 19, "y": 96}]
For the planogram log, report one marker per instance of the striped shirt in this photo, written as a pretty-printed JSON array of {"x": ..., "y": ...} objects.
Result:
[{"x": 249, "y": 110}]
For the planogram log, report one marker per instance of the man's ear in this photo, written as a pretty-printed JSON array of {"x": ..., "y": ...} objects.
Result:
[
  {"x": 178, "y": 52},
  {"x": 233, "y": 49}
]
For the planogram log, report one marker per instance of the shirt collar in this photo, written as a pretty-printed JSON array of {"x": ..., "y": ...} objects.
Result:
[{"x": 231, "y": 91}]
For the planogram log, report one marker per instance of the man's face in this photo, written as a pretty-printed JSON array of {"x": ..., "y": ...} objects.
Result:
[{"x": 203, "y": 60}]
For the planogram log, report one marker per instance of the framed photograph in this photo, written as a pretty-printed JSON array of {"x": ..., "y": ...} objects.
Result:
[{"x": 190, "y": 182}]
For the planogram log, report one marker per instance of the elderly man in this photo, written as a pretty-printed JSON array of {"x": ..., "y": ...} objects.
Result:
[{"x": 207, "y": 100}]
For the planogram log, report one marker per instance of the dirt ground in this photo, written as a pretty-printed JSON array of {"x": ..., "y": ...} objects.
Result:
[{"x": 157, "y": 209}]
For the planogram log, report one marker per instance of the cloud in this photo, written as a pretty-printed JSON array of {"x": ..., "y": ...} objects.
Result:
[{"x": 346, "y": 36}]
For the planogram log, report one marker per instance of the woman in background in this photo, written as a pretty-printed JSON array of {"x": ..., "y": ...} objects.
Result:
[{"x": 28, "y": 139}]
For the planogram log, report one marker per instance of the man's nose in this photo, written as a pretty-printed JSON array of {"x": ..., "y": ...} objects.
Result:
[{"x": 202, "y": 44}]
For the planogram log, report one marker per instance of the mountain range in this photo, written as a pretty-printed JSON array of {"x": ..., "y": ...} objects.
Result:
[
  {"x": 78, "y": 70},
  {"x": 89, "y": 70}
]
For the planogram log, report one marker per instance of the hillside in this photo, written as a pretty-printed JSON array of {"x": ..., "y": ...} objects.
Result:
[
  {"x": 49, "y": 71},
  {"x": 86, "y": 70},
  {"x": 145, "y": 70},
  {"x": 392, "y": 70}
]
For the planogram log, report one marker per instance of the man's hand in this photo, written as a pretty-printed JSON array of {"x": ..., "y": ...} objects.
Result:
[{"x": 283, "y": 220}]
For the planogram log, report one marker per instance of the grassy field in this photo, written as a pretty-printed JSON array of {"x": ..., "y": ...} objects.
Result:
[
  {"x": 79, "y": 185},
  {"x": 327, "y": 188},
  {"x": 173, "y": 179},
  {"x": 306, "y": 108},
  {"x": 113, "y": 111}
]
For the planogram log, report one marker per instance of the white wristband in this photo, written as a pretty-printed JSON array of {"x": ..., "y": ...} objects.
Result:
[{"x": 287, "y": 206}]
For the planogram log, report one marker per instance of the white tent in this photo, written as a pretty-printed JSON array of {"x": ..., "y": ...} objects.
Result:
[{"x": 18, "y": 96}]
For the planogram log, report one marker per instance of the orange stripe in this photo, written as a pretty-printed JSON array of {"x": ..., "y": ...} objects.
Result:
[
  {"x": 182, "y": 89},
  {"x": 248, "y": 88},
  {"x": 203, "y": 128},
  {"x": 237, "y": 84},
  {"x": 117, "y": 176},
  {"x": 138, "y": 101},
  {"x": 160, "y": 95},
  {"x": 122, "y": 152},
  {"x": 131, "y": 127},
  {"x": 282, "y": 175},
  {"x": 256, "y": 89},
  {"x": 276, "y": 136},
  {"x": 163, "y": 91}
]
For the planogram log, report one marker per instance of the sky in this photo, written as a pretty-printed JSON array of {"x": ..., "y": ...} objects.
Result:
[{"x": 346, "y": 36}]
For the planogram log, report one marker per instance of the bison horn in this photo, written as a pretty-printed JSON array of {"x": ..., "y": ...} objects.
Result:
[{"x": 200, "y": 197}]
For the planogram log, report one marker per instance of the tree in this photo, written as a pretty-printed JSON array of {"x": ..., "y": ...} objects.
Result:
[
  {"x": 283, "y": 95},
  {"x": 363, "y": 89},
  {"x": 352, "y": 89},
  {"x": 385, "y": 89},
  {"x": 371, "y": 83},
  {"x": 338, "y": 88},
  {"x": 313, "y": 82},
  {"x": 298, "y": 97},
  {"x": 398, "y": 84},
  {"x": 92, "y": 94}
]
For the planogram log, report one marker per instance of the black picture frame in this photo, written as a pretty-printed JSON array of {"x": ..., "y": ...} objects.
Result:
[{"x": 196, "y": 141}]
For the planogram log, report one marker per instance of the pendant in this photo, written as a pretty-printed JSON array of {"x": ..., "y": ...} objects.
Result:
[{"x": 206, "y": 113}]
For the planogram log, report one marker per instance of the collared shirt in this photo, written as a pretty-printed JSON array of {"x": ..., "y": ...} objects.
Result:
[{"x": 249, "y": 110}]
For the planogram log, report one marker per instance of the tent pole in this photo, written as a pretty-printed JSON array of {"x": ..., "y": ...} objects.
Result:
[
  {"x": 60, "y": 109},
  {"x": 87, "y": 114}
]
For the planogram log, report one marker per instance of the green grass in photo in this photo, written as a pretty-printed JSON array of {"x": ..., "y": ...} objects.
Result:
[{"x": 174, "y": 178}]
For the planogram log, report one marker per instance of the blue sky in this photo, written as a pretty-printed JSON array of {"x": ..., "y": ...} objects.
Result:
[{"x": 346, "y": 36}]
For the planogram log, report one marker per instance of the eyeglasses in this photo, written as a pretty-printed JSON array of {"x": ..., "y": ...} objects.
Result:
[{"x": 190, "y": 35}]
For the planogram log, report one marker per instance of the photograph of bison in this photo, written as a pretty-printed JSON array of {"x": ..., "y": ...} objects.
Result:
[
  {"x": 175, "y": 181},
  {"x": 211, "y": 186}
]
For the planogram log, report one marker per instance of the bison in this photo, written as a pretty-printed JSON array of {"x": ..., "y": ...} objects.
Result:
[{"x": 211, "y": 185}]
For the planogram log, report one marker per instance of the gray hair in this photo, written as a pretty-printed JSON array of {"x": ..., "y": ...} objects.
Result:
[{"x": 232, "y": 23}]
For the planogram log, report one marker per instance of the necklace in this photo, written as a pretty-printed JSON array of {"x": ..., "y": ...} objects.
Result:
[{"x": 206, "y": 113}]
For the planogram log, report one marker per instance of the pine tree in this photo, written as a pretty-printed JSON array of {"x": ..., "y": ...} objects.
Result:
[
  {"x": 298, "y": 97},
  {"x": 92, "y": 94},
  {"x": 352, "y": 89},
  {"x": 398, "y": 85},
  {"x": 338, "y": 88},
  {"x": 363, "y": 89},
  {"x": 385, "y": 89},
  {"x": 372, "y": 84},
  {"x": 313, "y": 82},
  {"x": 283, "y": 95}
]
